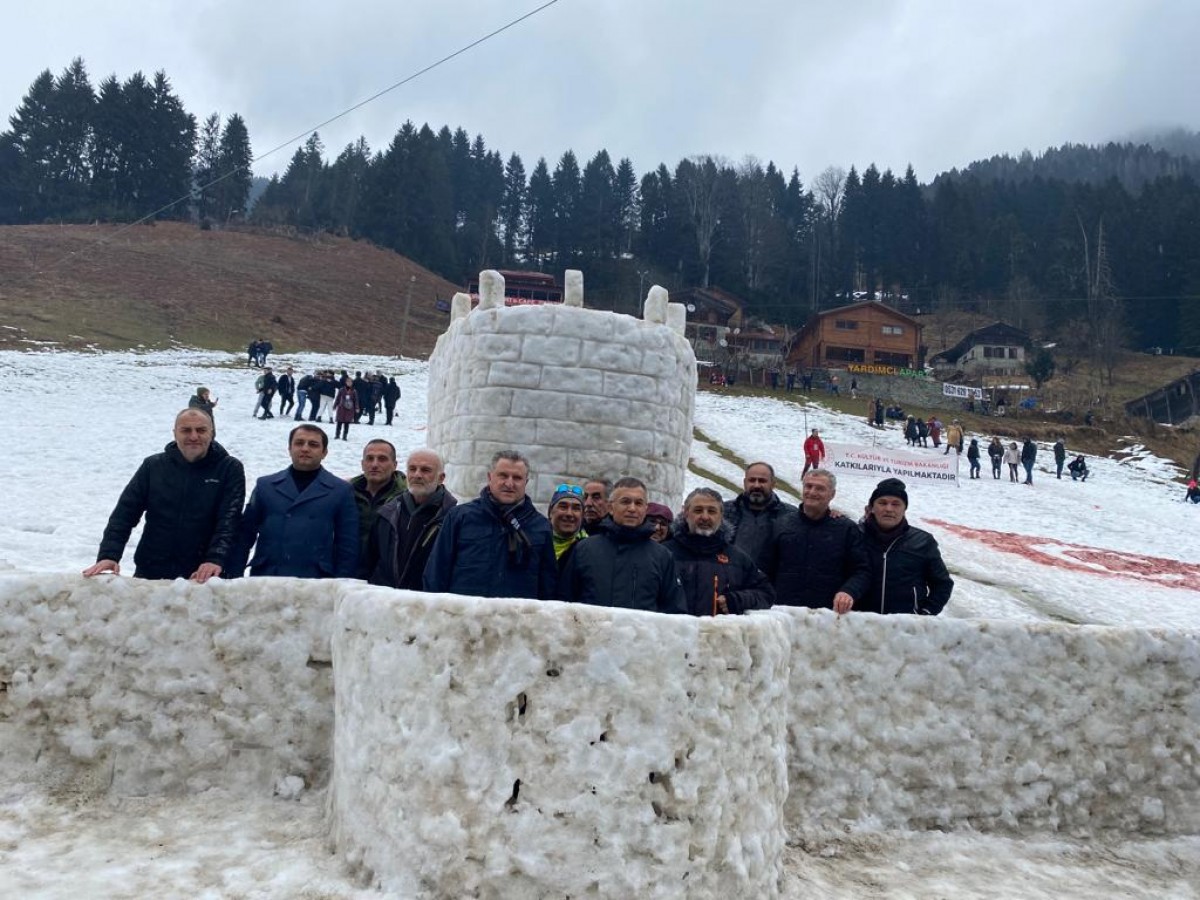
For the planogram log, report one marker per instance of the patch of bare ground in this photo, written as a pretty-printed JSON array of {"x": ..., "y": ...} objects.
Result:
[{"x": 170, "y": 283}]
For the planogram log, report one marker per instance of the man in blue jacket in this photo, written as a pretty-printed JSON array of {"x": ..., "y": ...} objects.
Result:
[
  {"x": 498, "y": 545},
  {"x": 302, "y": 522}
]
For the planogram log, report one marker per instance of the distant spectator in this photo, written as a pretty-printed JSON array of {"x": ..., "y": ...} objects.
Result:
[
  {"x": 1078, "y": 468},
  {"x": 1060, "y": 457},
  {"x": 806, "y": 381},
  {"x": 345, "y": 405},
  {"x": 1012, "y": 457},
  {"x": 1193, "y": 491},
  {"x": 935, "y": 431},
  {"x": 252, "y": 353},
  {"x": 287, "y": 391},
  {"x": 954, "y": 438},
  {"x": 996, "y": 454},
  {"x": 302, "y": 388},
  {"x": 973, "y": 457},
  {"x": 204, "y": 401},
  {"x": 814, "y": 451},
  {"x": 267, "y": 385},
  {"x": 1028, "y": 457},
  {"x": 391, "y": 396},
  {"x": 264, "y": 350}
]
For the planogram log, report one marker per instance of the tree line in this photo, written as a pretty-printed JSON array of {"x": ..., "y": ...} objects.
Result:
[
  {"x": 118, "y": 153},
  {"x": 1053, "y": 244}
]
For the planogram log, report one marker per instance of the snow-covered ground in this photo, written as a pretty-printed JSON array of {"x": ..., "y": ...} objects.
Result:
[{"x": 1120, "y": 549}]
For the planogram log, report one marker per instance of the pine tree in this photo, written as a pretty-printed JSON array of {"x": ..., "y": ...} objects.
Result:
[
  {"x": 542, "y": 224},
  {"x": 625, "y": 193},
  {"x": 512, "y": 208},
  {"x": 33, "y": 136},
  {"x": 567, "y": 188},
  {"x": 108, "y": 142},
  {"x": 234, "y": 161},
  {"x": 71, "y": 113},
  {"x": 207, "y": 169}
]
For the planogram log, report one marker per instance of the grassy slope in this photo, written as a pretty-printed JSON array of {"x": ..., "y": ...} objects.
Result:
[{"x": 155, "y": 285}]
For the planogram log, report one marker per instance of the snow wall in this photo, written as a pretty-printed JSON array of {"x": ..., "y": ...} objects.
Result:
[
  {"x": 123, "y": 687},
  {"x": 583, "y": 393}
]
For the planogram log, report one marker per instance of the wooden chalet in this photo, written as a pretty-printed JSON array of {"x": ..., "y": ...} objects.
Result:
[{"x": 867, "y": 333}]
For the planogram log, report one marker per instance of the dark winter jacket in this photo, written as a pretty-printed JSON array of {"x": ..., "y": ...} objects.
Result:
[
  {"x": 368, "y": 509},
  {"x": 402, "y": 539},
  {"x": 305, "y": 382},
  {"x": 973, "y": 451},
  {"x": 269, "y": 384},
  {"x": 391, "y": 393},
  {"x": 754, "y": 530},
  {"x": 1060, "y": 452},
  {"x": 192, "y": 513},
  {"x": 206, "y": 406},
  {"x": 313, "y": 534},
  {"x": 996, "y": 452},
  {"x": 907, "y": 572},
  {"x": 699, "y": 560},
  {"x": 622, "y": 567},
  {"x": 811, "y": 560},
  {"x": 1028, "y": 452},
  {"x": 485, "y": 550},
  {"x": 286, "y": 385}
]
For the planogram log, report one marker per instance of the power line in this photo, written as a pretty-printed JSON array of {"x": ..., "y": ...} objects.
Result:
[{"x": 345, "y": 112}]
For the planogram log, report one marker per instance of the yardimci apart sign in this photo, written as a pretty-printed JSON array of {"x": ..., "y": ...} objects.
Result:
[{"x": 864, "y": 369}]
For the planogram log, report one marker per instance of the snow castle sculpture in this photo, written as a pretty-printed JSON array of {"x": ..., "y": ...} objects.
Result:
[{"x": 583, "y": 393}]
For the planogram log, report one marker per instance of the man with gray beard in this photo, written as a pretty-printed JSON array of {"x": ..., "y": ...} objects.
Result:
[
  {"x": 402, "y": 537},
  {"x": 717, "y": 578}
]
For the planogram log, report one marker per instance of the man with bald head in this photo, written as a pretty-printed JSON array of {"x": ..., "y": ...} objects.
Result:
[
  {"x": 406, "y": 527},
  {"x": 191, "y": 495}
]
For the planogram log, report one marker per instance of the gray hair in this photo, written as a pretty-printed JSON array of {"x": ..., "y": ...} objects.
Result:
[
  {"x": 441, "y": 464},
  {"x": 512, "y": 456},
  {"x": 824, "y": 473},
  {"x": 704, "y": 492},
  {"x": 628, "y": 482}
]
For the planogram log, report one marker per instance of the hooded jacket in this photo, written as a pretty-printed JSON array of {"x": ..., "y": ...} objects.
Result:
[
  {"x": 710, "y": 565},
  {"x": 907, "y": 572},
  {"x": 192, "y": 513},
  {"x": 486, "y": 550},
  {"x": 402, "y": 539},
  {"x": 622, "y": 567}
]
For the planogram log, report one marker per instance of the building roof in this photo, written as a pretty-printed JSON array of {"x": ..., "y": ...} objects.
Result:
[
  {"x": 996, "y": 333},
  {"x": 874, "y": 304}
]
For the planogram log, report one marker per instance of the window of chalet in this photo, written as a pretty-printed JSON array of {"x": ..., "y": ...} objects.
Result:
[
  {"x": 1012, "y": 352},
  {"x": 845, "y": 354},
  {"x": 846, "y": 325},
  {"x": 893, "y": 329},
  {"x": 884, "y": 358}
]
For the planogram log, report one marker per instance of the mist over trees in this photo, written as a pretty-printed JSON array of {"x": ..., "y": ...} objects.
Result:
[{"x": 1097, "y": 244}]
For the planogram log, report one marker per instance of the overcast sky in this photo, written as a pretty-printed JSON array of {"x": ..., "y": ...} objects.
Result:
[{"x": 935, "y": 83}]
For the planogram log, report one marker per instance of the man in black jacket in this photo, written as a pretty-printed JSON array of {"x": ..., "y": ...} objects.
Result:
[
  {"x": 621, "y": 566},
  {"x": 269, "y": 386},
  {"x": 754, "y": 516},
  {"x": 391, "y": 395},
  {"x": 818, "y": 559},
  {"x": 287, "y": 391},
  {"x": 717, "y": 578},
  {"x": 907, "y": 572},
  {"x": 191, "y": 495},
  {"x": 406, "y": 527}
]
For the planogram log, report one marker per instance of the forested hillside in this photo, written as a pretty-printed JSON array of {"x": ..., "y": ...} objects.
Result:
[{"x": 1092, "y": 245}]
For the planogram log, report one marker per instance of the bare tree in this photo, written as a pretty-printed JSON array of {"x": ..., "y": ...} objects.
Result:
[
  {"x": 829, "y": 188},
  {"x": 698, "y": 180},
  {"x": 1105, "y": 321}
]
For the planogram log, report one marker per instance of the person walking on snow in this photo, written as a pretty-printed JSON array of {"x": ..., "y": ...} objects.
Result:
[{"x": 1060, "y": 457}]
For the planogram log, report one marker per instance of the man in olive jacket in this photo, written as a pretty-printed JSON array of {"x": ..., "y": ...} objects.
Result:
[
  {"x": 621, "y": 566},
  {"x": 191, "y": 495},
  {"x": 818, "y": 559}
]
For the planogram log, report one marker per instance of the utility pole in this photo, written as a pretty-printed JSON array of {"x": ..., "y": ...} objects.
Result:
[{"x": 412, "y": 279}]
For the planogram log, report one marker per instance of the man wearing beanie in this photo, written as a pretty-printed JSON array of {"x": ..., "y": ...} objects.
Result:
[
  {"x": 566, "y": 521},
  {"x": 907, "y": 572},
  {"x": 818, "y": 559}
]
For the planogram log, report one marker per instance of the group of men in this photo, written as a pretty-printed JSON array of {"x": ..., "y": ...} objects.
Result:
[
  {"x": 257, "y": 351},
  {"x": 599, "y": 543}
]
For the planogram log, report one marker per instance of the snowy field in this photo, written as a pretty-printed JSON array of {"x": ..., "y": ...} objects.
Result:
[{"x": 1120, "y": 549}]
